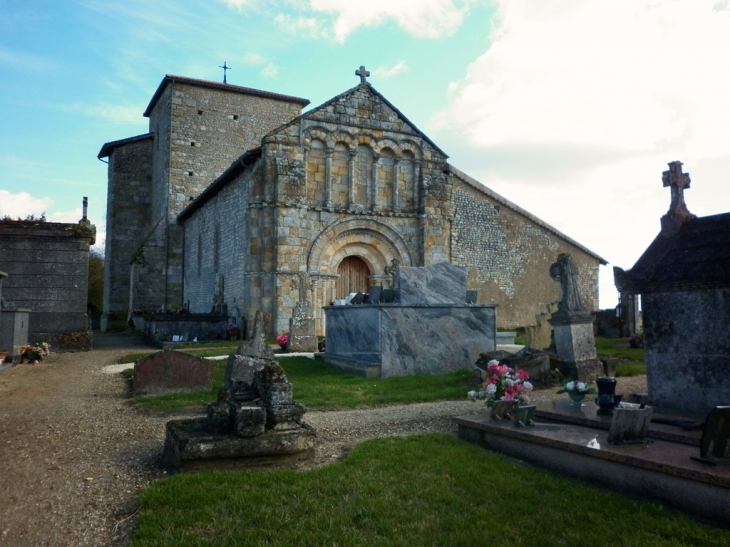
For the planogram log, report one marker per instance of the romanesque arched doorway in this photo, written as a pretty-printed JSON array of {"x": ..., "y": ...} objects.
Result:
[{"x": 353, "y": 275}]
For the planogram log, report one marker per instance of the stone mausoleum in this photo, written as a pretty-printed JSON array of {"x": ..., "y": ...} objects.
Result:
[
  {"x": 683, "y": 278},
  {"x": 234, "y": 191}
]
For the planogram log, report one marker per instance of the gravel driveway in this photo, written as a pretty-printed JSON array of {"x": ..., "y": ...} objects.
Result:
[{"x": 75, "y": 454}]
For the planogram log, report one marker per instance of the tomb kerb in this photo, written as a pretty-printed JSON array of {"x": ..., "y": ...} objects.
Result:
[{"x": 573, "y": 325}]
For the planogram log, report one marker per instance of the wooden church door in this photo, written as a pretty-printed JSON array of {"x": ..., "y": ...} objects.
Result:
[{"x": 354, "y": 274}]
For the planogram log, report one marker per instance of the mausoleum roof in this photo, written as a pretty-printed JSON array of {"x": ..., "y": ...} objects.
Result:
[
  {"x": 170, "y": 78},
  {"x": 694, "y": 257}
]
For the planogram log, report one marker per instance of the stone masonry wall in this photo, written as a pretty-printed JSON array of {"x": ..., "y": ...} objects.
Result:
[
  {"x": 47, "y": 265},
  {"x": 509, "y": 257},
  {"x": 128, "y": 217},
  {"x": 199, "y": 131}
]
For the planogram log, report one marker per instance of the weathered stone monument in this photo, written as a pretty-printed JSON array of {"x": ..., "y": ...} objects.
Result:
[
  {"x": 428, "y": 329},
  {"x": 573, "y": 325},
  {"x": 255, "y": 420},
  {"x": 302, "y": 333}
]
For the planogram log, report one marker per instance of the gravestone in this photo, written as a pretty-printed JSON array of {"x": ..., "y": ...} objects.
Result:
[
  {"x": 573, "y": 326},
  {"x": 255, "y": 420},
  {"x": 170, "y": 371},
  {"x": 715, "y": 443},
  {"x": 374, "y": 294},
  {"x": 302, "y": 332}
]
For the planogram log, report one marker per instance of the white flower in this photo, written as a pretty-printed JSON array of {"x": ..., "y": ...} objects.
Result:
[
  {"x": 527, "y": 385},
  {"x": 581, "y": 386},
  {"x": 472, "y": 394},
  {"x": 491, "y": 389},
  {"x": 509, "y": 382},
  {"x": 493, "y": 362},
  {"x": 570, "y": 386}
]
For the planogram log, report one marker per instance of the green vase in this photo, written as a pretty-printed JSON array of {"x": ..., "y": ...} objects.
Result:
[{"x": 576, "y": 399}]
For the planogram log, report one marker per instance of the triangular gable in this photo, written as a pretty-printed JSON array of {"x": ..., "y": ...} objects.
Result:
[{"x": 315, "y": 114}]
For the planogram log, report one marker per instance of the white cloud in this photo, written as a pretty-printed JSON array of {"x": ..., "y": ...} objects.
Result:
[
  {"x": 22, "y": 204},
  {"x": 576, "y": 107},
  {"x": 389, "y": 72},
  {"x": 633, "y": 75},
  {"x": 422, "y": 19},
  {"x": 307, "y": 26}
]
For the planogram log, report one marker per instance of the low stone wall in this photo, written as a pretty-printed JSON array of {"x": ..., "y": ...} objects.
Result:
[{"x": 191, "y": 327}]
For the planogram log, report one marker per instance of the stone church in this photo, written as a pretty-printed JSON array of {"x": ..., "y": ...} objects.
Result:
[{"x": 234, "y": 191}]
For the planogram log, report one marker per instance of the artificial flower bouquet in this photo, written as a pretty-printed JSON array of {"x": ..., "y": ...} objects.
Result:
[
  {"x": 577, "y": 387},
  {"x": 503, "y": 384}
]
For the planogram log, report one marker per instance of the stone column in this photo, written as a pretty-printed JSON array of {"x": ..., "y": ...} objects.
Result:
[
  {"x": 396, "y": 208},
  {"x": 374, "y": 184},
  {"x": 328, "y": 178},
  {"x": 351, "y": 180}
]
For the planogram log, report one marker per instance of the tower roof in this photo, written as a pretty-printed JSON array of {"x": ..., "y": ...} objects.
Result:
[{"x": 169, "y": 78}]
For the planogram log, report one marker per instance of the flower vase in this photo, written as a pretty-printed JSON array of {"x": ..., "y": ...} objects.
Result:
[{"x": 576, "y": 399}]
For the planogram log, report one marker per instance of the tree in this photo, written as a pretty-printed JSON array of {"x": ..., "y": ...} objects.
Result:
[{"x": 96, "y": 281}]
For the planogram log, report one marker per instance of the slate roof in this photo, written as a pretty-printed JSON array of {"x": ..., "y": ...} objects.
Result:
[
  {"x": 107, "y": 147},
  {"x": 170, "y": 78},
  {"x": 248, "y": 158},
  {"x": 696, "y": 257}
]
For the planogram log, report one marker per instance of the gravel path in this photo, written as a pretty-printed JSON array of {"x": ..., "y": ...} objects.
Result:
[{"x": 75, "y": 454}]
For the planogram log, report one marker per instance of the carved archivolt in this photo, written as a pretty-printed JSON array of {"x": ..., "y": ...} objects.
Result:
[
  {"x": 376, "y": 243},
  {"x": 351, "y": 141}
]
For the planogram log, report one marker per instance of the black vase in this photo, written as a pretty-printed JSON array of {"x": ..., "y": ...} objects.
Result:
[{"x": 607, "y": 399}]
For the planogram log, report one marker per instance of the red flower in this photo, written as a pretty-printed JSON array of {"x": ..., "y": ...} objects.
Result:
[{"x": 522, "y": 375}]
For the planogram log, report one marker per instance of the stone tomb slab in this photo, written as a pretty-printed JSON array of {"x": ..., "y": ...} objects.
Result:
[
  {"x": 442, "y": 283},
  {"x": 190, "y": 447},
  {"x": 170, "y": 371},
  {"x": 660, "y": 470}
]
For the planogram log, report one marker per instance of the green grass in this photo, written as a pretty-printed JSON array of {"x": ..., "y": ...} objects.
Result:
[
  {"x": 632, "y": 359},
  {"x": 429, "y": 490},
  {"x": 318, "y": 386}
]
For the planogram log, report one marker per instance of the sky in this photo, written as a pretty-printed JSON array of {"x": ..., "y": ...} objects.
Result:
[{"x": 569, "y": 108}]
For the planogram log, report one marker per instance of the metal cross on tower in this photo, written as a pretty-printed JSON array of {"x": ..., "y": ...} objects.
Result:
[
  {"x": 225, "y": 68},
  {"x": 363, "y": 74}
]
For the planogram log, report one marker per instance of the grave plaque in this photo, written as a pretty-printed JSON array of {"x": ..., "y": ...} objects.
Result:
[
  {"x": 523, "y": 415},
  {"x": 715, "y": 443},
  {"x": 629, "y": 424}
]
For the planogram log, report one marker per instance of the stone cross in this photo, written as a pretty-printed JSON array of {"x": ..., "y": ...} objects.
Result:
[
  {"x": 564, "y": 272},
  {"x": 305, "y": 286},
  {"x": 225, "y": 69},
  {"x": 363, "y": 74},
  {"x": 678, "y": 181}
]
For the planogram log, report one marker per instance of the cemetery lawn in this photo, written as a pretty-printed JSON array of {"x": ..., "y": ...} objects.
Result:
[
  {"x": 406, "y": 491},
  {"x": 319, "y": 387},
  {"x": 631, "y": 359}
]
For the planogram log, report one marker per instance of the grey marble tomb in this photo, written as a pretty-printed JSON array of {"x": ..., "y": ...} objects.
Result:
[{"x": 430, "y": 329}]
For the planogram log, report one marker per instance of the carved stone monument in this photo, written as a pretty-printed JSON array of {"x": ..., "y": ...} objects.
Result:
[
  {"x": 302, "y": 330},
  {"x": 255, "y": 420},
  {"x": 573, "y": 325}
]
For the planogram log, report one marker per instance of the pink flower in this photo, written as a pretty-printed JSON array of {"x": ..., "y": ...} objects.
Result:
[
  {"x": 519, "y": 388},
  {"x": 503, "y": 370},
  {"x": 523, "y": 375}
]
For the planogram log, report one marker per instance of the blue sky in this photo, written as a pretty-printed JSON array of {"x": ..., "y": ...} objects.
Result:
[{"x": 569, "y": 108}]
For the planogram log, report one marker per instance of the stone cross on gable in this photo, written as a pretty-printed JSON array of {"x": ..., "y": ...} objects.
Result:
[
  {"x": 363, "y": 74},
  {"x": 677, "y": 181}
]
